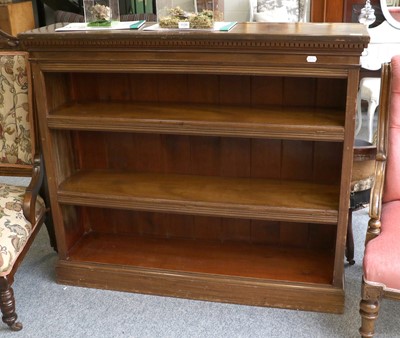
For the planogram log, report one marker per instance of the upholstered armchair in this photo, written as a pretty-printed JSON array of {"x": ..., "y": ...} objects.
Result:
[
  {"x": 279, "y": 10},
  {"x": 21, "y": 209},
  {"x": 381, "y": 265}
]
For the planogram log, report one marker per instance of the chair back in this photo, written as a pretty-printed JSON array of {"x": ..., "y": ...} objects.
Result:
[
  {"x": 392, "y": 187},
  {"x": 17, "y": 142}
]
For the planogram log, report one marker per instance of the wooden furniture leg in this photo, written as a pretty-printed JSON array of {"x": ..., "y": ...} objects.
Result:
[
  {"x": 369, "y": 313},
  {"x": 361, "y": 183},
  {"x": 357, "y": 201},
  {"x": 369, "y": 308},
  {"x": 7, "y": 304},
  {"x": 350, "y": 239}
]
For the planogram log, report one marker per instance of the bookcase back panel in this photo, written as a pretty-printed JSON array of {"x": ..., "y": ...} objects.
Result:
[
  {"x": 318, "y": 162},
  {"x": 219, "y": 229},
  {"x": 197, "y": 88}
]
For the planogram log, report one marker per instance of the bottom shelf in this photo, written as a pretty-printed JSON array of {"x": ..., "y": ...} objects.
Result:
[
  {"x": 231, "y": 272},
  {"x": 229, "y": 258}
]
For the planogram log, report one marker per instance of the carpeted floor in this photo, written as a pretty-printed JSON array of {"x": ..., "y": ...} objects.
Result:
[
  {"x": 49, "y": 310},
  {"x": 57, "y": 311}
]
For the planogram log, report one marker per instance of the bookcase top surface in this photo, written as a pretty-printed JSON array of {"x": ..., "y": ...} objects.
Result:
[{"x": 347, "y": 35}]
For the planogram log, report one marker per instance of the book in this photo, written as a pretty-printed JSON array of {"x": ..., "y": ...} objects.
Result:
[
  {"x": 224, "y": 26},
  {"x": 82, "y": 26}
]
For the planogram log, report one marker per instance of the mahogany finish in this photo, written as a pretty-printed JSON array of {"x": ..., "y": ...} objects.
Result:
[
  {"x": 327, "y": 11},
  {"x": 199, "y": 164}
]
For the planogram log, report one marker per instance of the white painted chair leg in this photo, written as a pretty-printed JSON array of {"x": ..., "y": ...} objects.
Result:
[
  {"x": 359, "y": 115},
  {"x": 371, "y": 113}
]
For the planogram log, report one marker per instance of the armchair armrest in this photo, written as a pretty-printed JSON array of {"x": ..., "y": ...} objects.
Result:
[
  {"x": 32, "y": 191},
  {"x": 375, "y": 207},
  {"x": 8, "y": 41}
]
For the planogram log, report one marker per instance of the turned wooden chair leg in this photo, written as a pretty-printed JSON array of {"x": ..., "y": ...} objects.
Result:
[
  {"x": 7, "y": 305},
  {"x": 369, "y": 309},
  {"x": 369, "y": 313},
  {"x": 350, "y": 239}
]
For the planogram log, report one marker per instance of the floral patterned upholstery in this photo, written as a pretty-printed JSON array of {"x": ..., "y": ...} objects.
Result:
[
  {"x": 15, "y": 126},
  {"x": 14, "y": 228},
  {"x": 15, "y": 151}
]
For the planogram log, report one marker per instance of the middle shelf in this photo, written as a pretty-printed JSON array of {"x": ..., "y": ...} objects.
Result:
[
  {"x": 285, "y": 200},
  {"x": 302, "y": 123}
]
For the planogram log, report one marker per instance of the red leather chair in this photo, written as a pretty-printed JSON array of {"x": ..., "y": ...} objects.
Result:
[{"x": 381, "y": 263}]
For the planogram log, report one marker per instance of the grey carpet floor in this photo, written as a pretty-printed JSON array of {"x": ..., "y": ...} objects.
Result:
[{"x": 48, "y": 309}]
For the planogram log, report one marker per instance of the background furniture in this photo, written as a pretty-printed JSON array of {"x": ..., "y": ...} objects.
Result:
[
  {"x": 141, "y": 6},
  {"x": 385, "y": 41},
  {"x": 16, "y": 17},
  {"x": 391, "y": 11},
  {"x": 369, "y": 91},
  {"x": 22, "y": 210},
  {"x": 62, "y": 16},
  {"x": 384, "y": 44},
  {"x": 381, "y": 263},
  {"x": 352, "y": 10},
  {"x": 278, "y": 11},
  {"x": 320, "y": 11},
  {"x": 212, "y": 168},
  {"x": 44, "y": 14},
  {"x": 362, "y": 179}
]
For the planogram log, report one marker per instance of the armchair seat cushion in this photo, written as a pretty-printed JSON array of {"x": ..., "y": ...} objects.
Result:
[
  {"x": 381, "y": 259},
  {"x": 15, "y": 230}
]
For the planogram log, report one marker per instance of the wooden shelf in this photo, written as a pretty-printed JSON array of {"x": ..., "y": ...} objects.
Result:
[
  {"x": 207, "y": 257},
  {"x": 203, "y": 195},
  {"x": 180, "y": 268},
  {"x": 214, "y": 120}
]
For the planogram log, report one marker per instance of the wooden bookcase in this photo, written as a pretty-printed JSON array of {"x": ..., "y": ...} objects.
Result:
[{"x": 199, "y": 164}]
